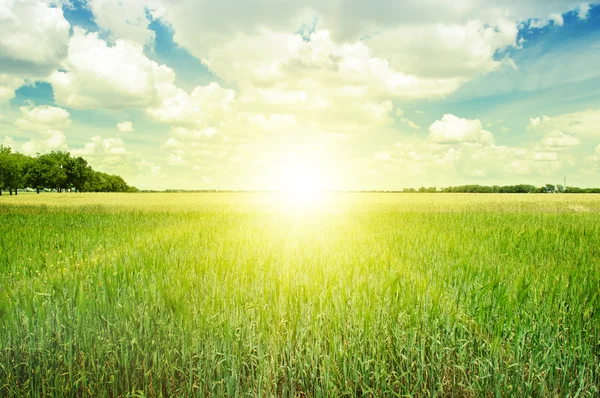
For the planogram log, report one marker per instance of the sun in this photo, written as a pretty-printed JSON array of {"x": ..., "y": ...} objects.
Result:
[{"x": 301, "y": 178}]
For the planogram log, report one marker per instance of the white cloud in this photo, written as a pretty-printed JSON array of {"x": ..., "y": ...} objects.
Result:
[
  {"x": 125, "y": 19},
  {"x": 150, "y": 167},
  {"x": 202, "y": 149},
  {"x": 558, "y": 140},
  {"x": 8, "y": 85},
  {"x": 596, "y": 155},
  {"x": 43, "y": 118},
  {"x": 100, "y": 76},
  {"x": 47, "y": 121},
  {"x": 410, "y": 123},
  {"x": 583, "y": 11},
  {"x": 199, "y": 30},
  {"x": 8, "y": 142},
  {"x": 556, "y": 19},
  {"x": 98, "y": 148},
  {"x": 33, "y": 37},
  {"x": 445, "y": 165},
  {"x": 383, "y": 157},
  {"x": 579, "y": 124},
  {"x": 50, "y": 140},
  {"x": 183, "y": 133},
  {"x": 313, "y": 71},
  {"x": 172, "y": 143},
  {"x": 273, "y": 122},
  {"x": 336, "y": 86},
  {"x": 405, "y": 50},
  {"x": 454, "y": 130},
  {"x": 461, "y": 51},
  {"x": 177, "y": 158},
  {"x": 204, "y": 106},
  {"x": 125, "y": 127}
]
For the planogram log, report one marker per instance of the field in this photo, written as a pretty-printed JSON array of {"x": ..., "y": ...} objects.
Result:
[{"x": 253, "y": 295}]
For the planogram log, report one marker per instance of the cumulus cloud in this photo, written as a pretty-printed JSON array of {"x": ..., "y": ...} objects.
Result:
[
  {"x": 8, "y": 85},
  {"x": 559, "y": 141},
  {"x": 98, "y": 147},
  {"x": 579, "y": 124},
  {"x": 202, "y": 107},
  {"x": 126, "y": 19},
  {"x": 46, "y": 122},
  {"x": 7, "y": 141},
  {"x": 461, "y": 51},
  {"x": 336, "y": 82},
  {"x": 583, "y": 11},
  {"x": 556, "y": 19},
  {"x": 199, "y": 30},
  {"x": 274, "y": 122},
  {"x": 33, "y": 37},
  {"x": 100, "y": 76},
  {"x": 49, "y": 140},
  {"x": 202, "y": 149},
  {"x": 107, "y": 154},
  {"x": 383, "y": 157},
  {"x": 125, "y": 127},
  {"x": 150, "y": 167},
  {"x": 43, "y": 118},
  {"x": 290, "y": 69},
  {"x": 443, "y": 165},
  {"x": 596, "y": 155},
  {"x": 454, "y": 130}
]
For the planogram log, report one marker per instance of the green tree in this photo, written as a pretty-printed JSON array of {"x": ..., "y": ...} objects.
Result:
[
  {"x": 33, "y": 174},
  {"x": 78, "y": 173},
  {"x": 54, "y": 171},
  {"x": 4, "y": 166},
  {"x": 11, "y": 170}
]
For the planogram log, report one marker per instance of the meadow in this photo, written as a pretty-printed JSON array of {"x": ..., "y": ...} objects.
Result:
[{"x": 255, "y": 295}]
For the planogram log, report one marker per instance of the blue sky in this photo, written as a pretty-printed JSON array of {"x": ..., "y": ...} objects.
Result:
[{"x": 205, "y": 94}]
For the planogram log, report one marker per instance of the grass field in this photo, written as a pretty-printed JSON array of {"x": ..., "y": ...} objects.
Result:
[{"x": 250, "y": 295}]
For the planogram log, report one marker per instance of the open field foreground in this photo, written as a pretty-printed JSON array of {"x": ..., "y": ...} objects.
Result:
[{"x": 254, "y": 295}]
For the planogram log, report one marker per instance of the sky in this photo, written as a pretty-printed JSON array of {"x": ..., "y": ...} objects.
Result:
[{"x": 317, "y": 94}]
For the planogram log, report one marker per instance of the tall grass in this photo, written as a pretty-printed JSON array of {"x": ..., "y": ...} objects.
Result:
[{"x": 237, "y": 295}]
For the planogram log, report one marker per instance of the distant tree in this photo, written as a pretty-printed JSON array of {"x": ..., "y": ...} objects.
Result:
[
  {"x": 550, "y": 188},
  {"x": 4, "y": 166},
  {"x": 4, "y": 151},
  {"x": 54, "y": 172},
  {"x": 11, "y": 170},
  {"x": 560, "y": 189},
  {"x": 78, "y": 173}
]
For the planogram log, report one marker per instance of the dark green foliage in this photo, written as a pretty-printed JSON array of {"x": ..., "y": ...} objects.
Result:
[
  {"x": 102, "y": 182},
  {"x": 581, "y": 190},
  {"x": 55, "y": 170}
]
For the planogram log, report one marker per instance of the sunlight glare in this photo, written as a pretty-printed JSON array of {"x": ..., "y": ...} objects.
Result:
[{"x": 301, "y": 180}]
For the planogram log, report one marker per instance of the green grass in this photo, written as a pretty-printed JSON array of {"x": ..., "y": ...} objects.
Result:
[{"x": 241, "y": 295}]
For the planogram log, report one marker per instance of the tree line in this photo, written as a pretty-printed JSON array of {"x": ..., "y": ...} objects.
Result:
[
  {"x": 519, "y": 188},
  {"x": 56, "y": 170}
]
